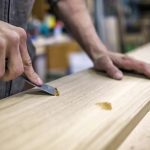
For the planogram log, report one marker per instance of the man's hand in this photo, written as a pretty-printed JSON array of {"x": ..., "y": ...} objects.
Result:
[
  {"x": 13, "y": 48},
  {"x": 75, "y": 15},
  {"x": 111, "y": 62}
]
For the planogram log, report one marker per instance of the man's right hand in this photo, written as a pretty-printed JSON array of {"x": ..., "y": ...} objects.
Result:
[{"x": 13, "y": 48}]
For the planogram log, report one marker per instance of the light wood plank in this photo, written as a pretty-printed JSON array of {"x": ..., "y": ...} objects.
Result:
[
  {"x": 73, "y": 121},
  {"x": 139, "y": 139}
]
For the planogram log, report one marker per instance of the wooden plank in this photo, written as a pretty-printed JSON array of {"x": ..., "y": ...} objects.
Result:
[
  {"x": 139, "y": 139},
  {"x": 74, "y": 121}
]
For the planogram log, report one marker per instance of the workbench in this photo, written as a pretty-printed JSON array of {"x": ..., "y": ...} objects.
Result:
[{"x": 76, "y": 120}]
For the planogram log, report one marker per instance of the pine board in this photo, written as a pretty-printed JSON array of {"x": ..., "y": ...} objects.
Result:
[
  {"x": 73, "y": 121},
  {"x": 139, "y": 139}
]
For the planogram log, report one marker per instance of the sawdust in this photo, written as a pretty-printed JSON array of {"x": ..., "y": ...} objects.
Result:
[
  {"x": 105, "y": 105},
  {"x": 57, "y": 93}
]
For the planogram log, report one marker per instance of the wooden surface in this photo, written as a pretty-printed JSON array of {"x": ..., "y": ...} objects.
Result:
[
  {"x": 139, "y": 139},
  {"x": 74, "y": 121}
]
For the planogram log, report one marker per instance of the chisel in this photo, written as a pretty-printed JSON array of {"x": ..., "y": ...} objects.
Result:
[{"x": 45, "y": 88}]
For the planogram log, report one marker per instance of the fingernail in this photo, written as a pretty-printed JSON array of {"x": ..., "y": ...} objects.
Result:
[
  {"x": 40, "y": 82},
  {"x": 119, "y": 75}
]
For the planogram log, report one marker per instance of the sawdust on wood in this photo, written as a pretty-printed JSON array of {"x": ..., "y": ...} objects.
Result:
[{"x": 105, "y": 105}]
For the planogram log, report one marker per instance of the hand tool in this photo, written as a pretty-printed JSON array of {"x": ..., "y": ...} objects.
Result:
[{"x": 45, "y": 88}]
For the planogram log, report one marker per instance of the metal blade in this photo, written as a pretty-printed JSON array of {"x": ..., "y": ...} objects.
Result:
[
  {"x": 45, "y": 88},
  {"x": 49, "y": 89}
]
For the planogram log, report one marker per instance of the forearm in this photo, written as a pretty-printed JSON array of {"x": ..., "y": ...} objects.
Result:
[{"x": 76, "y": 17}]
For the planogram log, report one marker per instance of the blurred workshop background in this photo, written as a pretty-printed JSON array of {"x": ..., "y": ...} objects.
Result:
[{"x": 123, "y": 25}]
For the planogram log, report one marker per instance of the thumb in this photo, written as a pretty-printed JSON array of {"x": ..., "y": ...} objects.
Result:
[{"x": 105, "y": 63}]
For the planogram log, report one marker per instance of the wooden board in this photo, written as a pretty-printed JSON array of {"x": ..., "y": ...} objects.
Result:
[
  {"x": 139, "y": 139},
  {"x": 73, "y": 121}
]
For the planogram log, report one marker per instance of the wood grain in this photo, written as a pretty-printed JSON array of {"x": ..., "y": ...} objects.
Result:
[
  {"x": 73, "y": 121},
  {"x": 139, "y": 139}
]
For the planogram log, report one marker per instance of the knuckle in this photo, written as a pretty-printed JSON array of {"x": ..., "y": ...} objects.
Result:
[
  {"x": 127, "y": 61},
  {"x": 17, "y": 72},
  {"x": 125, "y": 57},
  {"x": 2, "y": 44},
  {"x": 22, "y": 33},
  {"x": 14, "y": 37}
]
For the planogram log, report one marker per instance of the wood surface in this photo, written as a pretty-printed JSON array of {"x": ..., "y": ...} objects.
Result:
[
  {"x": 74, "y": 121},
  {"x": 139, "y": 139}
]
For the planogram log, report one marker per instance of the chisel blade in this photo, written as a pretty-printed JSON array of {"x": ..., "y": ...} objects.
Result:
[{"x": 45, "y": 88}]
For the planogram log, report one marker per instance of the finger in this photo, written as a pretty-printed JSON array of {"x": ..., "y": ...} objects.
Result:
[
  {"x": 2, "y": 56},
  {"x": 14, "y": 63},
  {"x": 27, "y": 63},
  {"x": 128, "y": 63},
  {"x": 106, "y": 64}
]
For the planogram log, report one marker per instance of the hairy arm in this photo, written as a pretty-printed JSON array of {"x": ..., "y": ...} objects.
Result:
[{"x": 76, "y": 17}]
